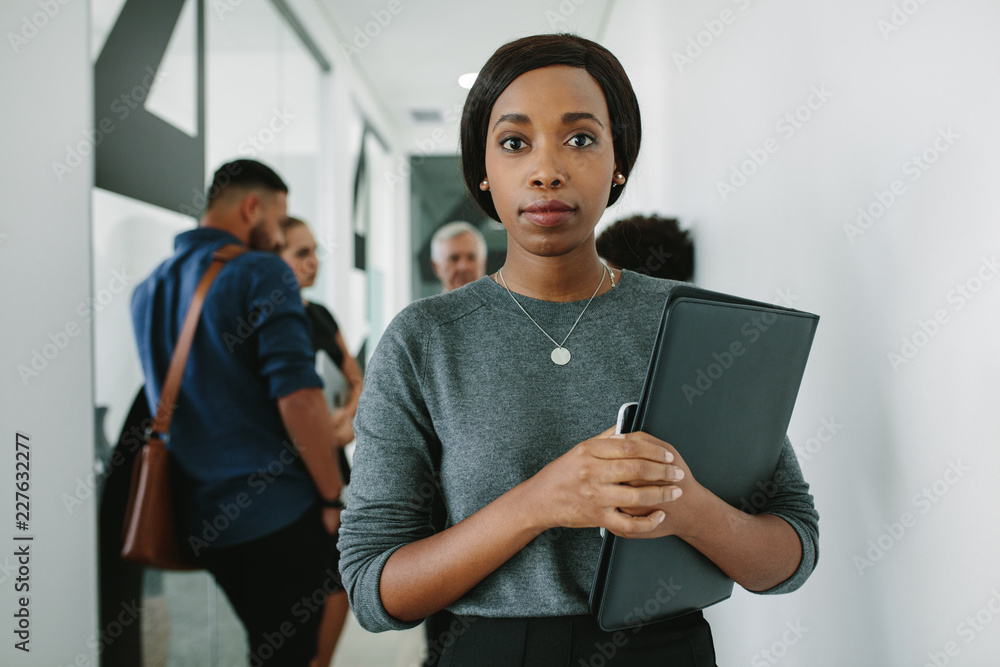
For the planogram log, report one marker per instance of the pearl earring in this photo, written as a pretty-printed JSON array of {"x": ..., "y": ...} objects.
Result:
[
  {"x": 620, "y": 177},
  {"x": 485, "y": 185}
]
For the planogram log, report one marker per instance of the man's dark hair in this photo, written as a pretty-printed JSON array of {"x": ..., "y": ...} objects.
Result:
[
  {"x": 652, "y": 245},
  {"x": 530, "y": 53},
  {"x": 245, "y": 175}
]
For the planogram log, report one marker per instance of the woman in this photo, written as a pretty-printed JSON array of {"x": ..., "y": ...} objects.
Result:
[
  {"x": 500, "y": 393},
  {"x": 299, "y": 252}
]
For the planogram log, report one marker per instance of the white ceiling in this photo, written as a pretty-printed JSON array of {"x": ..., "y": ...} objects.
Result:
[
  {"x": 416, "y": 57},
  {"x": 417, "y": 54}
]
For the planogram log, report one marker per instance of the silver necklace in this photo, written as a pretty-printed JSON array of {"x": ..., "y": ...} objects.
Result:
[{"x": 560, "y": 355}]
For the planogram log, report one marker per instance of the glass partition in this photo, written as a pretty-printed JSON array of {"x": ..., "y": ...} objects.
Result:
[{"x": 182, "y": 86}]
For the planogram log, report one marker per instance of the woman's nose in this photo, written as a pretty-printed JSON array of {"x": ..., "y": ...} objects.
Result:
[{"x": 549, "y": 171}]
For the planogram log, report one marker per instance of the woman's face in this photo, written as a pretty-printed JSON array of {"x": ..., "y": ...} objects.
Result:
[
  {"x": 300, "y": 254},
  {"x": 550, "y": 159}
]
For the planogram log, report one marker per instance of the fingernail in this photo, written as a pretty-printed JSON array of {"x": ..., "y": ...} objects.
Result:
[
  {"x": 678, "y": 474},
  {"x": 675, "y": 493},
  {"x": 618, "y": 436},
  {"x": 661, "y": 517},
  {"x": 669, "y": 455}
]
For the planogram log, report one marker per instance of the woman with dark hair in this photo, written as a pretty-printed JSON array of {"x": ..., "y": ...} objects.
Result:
[
  {"x": 299, "y": 252},
  {"x": 498, "y": 397}
]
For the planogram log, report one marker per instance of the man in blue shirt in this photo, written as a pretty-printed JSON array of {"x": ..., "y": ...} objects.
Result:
[{"x": 258, "y": 510}]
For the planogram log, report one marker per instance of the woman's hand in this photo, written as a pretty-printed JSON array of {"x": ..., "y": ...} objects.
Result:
[
  {"x": 343, "y": 426},
  {"x": 331, "y": 519},
  {"x": 584, "y": 487},
  {"x": 756, "y": 551},
  {"x": 681, "y": 517}
]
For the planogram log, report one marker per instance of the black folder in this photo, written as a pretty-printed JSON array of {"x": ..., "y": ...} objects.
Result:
[{"x": 721, "y": 385}]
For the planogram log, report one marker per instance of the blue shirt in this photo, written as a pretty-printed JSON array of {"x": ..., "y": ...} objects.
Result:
[{"x": 239, "y": 477}]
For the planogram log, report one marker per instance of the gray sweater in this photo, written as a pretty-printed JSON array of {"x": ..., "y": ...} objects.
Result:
[{"x": 466, "y": 378}]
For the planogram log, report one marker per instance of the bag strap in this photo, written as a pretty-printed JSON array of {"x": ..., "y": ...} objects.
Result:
[{"x": 172, "y": 384}]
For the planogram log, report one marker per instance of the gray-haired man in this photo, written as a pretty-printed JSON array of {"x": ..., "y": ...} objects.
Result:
[{"x": 458, "y": 254}]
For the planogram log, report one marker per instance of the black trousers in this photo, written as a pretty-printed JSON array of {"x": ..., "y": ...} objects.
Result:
[
  {"x": 577, "y": 641},
  {"x": 278, "y": 586},
  {"x": 440, "y": 628}
]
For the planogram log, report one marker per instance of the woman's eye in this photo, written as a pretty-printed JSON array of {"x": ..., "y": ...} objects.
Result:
[
  {"x": 581, "y": 140},
  {"x": 512, "y": 144}
]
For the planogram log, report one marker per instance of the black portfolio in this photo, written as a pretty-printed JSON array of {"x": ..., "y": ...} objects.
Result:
[{"x": 721, "y": 385}]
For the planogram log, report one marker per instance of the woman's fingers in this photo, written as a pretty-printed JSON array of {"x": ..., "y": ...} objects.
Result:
[
  {"x": 624, "y": 525},
  {"x": 628, "y": 446},
  {"x": 643, "y": 437},
  {"x": 631, "y": 458},
  {"x": 607, "y": 433},
  {"x": 608, "y": 472},
  {"x": 641, "y": 496},
  {"x": 637, "y": 471}
]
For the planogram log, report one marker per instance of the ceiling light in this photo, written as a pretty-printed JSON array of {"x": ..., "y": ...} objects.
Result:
[{"x": 466, "y": 80}]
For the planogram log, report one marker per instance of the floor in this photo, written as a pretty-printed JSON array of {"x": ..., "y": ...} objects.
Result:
[{"x": 189, "y": 623}]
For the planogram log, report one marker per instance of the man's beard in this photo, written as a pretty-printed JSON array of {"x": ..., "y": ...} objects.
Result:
[
  {"x": 462, "y": 279},
  {"x": 261, "y": 240}
]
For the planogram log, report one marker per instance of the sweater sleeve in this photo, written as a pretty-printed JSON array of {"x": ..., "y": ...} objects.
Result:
[
  {"x": 788, "y": 497},
  {"x": 393, "y": 480}
]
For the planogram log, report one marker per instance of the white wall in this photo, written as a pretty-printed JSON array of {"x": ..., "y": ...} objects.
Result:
[
  {"x": 45, "y": 274},
  {"x": 350, "y": 100},
  {"x": 902, "y": 425}
]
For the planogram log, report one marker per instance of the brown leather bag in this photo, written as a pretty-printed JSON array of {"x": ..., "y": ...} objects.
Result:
[{"x": 151, "y": 537}]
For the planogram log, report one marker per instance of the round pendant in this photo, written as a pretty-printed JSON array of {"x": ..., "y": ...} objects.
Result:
[{"x": 560, "y": 356}]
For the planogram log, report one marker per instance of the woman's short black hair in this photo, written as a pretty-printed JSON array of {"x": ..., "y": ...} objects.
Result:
[{"x": 529, "y": 53}]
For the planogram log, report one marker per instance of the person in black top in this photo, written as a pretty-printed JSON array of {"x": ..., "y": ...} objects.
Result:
[{"x": 299, "y": 252}]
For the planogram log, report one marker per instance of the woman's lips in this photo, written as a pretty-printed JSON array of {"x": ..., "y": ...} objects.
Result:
[{"x": 548, "y": 213}]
